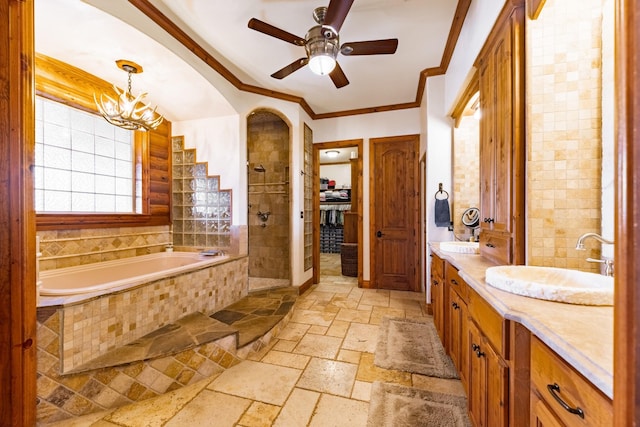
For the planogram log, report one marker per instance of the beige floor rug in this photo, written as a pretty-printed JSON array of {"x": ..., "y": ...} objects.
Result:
[
  {"x": 412, "y": 346},
  {"x": 393, "y": 405}
]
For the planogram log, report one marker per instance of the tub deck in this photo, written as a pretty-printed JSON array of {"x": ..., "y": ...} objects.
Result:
[{"x": 248, "y": 320}]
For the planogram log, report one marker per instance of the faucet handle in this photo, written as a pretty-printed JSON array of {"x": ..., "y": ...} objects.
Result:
[{"x": 608, "y": 265}]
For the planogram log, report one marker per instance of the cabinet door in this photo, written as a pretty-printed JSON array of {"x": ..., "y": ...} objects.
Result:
[
  {"x": 437, "y": 302},
  {"x": 541, "y": 415},
  {"x": 487, "y": 143},
  {"x": 477, "y": 378},
  {"x": 488, "y": 382},
  {"x": 455, "y": 328},
  {"x": 503, "y": 71},
  {"x": 497, "y": 387},
  {"x": 458, "y": 335}
]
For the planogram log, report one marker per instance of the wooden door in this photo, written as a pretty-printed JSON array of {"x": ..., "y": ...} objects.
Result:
[{"x": 394, "y": 208}]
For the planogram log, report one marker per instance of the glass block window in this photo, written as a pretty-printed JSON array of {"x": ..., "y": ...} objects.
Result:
[
  {"x": 83, "y": 163},
  {"x": 308, "y": 198}
]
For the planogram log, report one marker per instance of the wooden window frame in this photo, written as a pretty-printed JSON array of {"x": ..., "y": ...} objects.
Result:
[{"x": 61, "y": 82}]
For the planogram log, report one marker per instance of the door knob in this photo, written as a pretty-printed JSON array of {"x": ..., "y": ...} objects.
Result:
[{"x": 379, "y": 233}]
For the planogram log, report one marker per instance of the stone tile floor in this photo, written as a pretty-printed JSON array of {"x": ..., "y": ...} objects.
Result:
[{"x": 317, "y": 372}]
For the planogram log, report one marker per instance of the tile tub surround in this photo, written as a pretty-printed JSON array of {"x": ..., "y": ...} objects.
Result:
[
  {"x": 61, "y": 397},
  {"x": 582, "y": 335},
  {"x": 93, "y": 326}
]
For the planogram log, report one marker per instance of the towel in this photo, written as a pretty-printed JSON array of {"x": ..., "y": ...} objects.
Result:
[{"x": 442, "y": 215}]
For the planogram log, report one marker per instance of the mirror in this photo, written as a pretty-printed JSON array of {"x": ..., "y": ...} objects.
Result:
[
  {"x": 466, "y": 168},
  {"x": 569, "y": 158}
]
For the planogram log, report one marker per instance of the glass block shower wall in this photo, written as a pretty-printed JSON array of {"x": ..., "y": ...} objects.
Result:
[
  {"x": 201, "y": 211},
  {"x": 308, "y": 198}
]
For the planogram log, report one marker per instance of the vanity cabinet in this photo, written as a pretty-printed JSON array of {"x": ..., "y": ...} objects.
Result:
[
  {"x": 560, "y": 396},
  {"x": 502, "y": 155},
  {"x": 438, "y": 295}
]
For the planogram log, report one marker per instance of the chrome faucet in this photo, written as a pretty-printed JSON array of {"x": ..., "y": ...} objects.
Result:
[
  {"x": 608, "y": 263},
  {"x": 599, "y": 238}
]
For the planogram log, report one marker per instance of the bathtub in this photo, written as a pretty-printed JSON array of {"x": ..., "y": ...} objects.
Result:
[{"x": 123, "y": 273}]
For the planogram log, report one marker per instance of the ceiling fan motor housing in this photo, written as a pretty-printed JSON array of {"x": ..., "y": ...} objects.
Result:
[{"x": 318, "y": 44}]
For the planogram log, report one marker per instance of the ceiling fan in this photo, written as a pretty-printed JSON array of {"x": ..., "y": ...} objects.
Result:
[{"x": 322, "y": 43}]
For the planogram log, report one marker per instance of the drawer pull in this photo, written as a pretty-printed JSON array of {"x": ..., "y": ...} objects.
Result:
[
  {"x": 453, "y": 282},
  {"x": 490, "y": 245},
  {"x": 553, "y": 388},
  {"x": 455, "y": 305}
]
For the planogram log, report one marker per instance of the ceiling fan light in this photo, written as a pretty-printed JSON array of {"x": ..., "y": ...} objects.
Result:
[{"x": 322, "y": 64}]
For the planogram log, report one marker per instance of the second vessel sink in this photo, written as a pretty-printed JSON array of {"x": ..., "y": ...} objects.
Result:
[
  {"x": 552, "y": 284},
  {"x": 461, "y": 247}
]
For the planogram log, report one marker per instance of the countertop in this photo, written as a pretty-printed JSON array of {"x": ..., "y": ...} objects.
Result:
[{"x": 580, "y": 334}]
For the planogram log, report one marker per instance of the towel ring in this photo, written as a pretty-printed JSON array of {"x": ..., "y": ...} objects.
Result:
[{"x": 441, "y": 191}]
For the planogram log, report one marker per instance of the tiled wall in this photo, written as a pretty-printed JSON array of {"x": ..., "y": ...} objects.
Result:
[
  {"x": 201, "y": 211},
  {"x": 466, "y": 171},
  {"x": 98, "y": 325},
  {"x": 564, "y": 125},
  {"x": 269, "y": 241},
  {"x": 67, "y": 248}
]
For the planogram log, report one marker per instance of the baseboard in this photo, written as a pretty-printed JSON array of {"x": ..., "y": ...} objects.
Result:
[{"x": 305, "y": 286}]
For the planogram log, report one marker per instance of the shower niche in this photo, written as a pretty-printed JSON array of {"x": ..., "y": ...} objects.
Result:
[{"x": 268, "y": 157}]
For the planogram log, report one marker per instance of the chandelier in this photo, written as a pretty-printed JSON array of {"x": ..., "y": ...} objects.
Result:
[{"x": 124, "y": 110}]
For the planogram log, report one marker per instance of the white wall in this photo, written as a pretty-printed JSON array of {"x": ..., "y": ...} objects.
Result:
[
  {"x": 366, "y": 126},
  {"x": 438, "y": 149},
  {"x": 341, "y": 174},
  {"x": 477, "y": 25}
]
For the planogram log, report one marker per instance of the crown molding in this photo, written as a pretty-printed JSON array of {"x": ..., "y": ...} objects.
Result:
[{"x": 181, "y": 36}]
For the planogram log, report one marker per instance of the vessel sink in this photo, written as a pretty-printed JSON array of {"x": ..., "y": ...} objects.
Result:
[
  {"x": 552, "y": 284},
  {"x": 461, "y": 247}
]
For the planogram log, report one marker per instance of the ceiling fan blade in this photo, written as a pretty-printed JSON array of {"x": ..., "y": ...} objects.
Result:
[
  {"x": 338, "y": 77},
  {"x": 372, "y": 47},
  {"x": 336, "y": 14},
  {"x": 294, "y": 66},
  {"x": 270, "y": 30}
]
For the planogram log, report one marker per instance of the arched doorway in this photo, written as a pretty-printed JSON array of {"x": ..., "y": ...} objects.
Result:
[{"x": 269, "y": 234}]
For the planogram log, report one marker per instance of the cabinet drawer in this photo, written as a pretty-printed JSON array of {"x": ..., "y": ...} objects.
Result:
[
  {"x": 549, "y": 370},
  {"x": 496, "y": 247},
  {"x": 455, "y": 282},
  {"x": 492, "y": 324}
]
